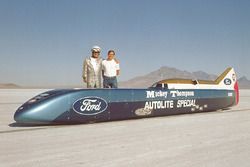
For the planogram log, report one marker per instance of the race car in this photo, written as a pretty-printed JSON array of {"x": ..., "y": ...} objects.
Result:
[{"x": 166, "y": 97}]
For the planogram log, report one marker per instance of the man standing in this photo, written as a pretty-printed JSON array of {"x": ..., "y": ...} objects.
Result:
[
  {"x": 92, "y": 69},
  {"x": 111, "y": 69}
]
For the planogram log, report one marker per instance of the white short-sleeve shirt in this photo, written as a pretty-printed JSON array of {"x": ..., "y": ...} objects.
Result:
[{"x": 110, "y": 67}]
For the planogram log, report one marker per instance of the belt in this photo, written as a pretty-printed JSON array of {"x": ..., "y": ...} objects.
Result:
[{"x": 110, "y": 77}]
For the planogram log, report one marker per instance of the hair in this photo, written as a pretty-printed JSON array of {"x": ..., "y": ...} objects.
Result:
[{"x": 111, "y": 51}]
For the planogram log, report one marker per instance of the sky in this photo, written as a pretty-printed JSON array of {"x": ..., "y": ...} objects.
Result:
[{"x": 44, "y": 42}]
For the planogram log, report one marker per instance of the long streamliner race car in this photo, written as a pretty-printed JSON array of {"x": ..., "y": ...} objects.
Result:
[{"x": 166, "y": 97}]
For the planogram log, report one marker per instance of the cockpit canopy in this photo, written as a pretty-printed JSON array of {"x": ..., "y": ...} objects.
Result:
[
  {"x": 159, "y": 85},
  {"x": 165, "y": 83}
]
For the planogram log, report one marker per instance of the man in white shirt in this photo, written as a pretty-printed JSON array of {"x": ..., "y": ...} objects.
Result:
[
  {"x": 110, "y": 70},
  {"x": 92, "y": 70}
]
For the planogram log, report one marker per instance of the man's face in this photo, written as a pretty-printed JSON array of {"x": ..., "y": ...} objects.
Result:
[
  {"x": 111, "y": 55},
  {"x": 95, "y": 54}
]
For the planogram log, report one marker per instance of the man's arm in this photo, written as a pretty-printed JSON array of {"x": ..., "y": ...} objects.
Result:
[
  {"x": 84, "y": 72},
  {"x": 117, "y": 69},
  {"x": 117, "y": 72}
]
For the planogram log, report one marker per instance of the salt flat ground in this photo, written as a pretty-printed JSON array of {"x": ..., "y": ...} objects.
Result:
[{"x": 220, "y": 138}]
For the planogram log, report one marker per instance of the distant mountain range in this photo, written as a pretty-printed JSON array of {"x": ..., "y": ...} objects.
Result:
[
  {"x": 160, "y": 74},
  {"x": 244, "y": 83},
  {"x": 8, "y": 86},
  {"x": 168, "y": 72}
]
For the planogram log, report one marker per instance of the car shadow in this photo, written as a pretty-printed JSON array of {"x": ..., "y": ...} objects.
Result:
[{"x": 15, "y": 124}]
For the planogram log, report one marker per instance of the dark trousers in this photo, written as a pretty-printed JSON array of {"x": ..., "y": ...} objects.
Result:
[{"x": 110, "y": 82}]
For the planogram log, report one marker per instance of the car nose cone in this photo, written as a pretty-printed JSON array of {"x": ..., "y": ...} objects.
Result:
[{"x": 26, "y": 116}]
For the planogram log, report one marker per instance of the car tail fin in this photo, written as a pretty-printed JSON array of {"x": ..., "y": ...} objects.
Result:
[{"x": 228, "y": 80}]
